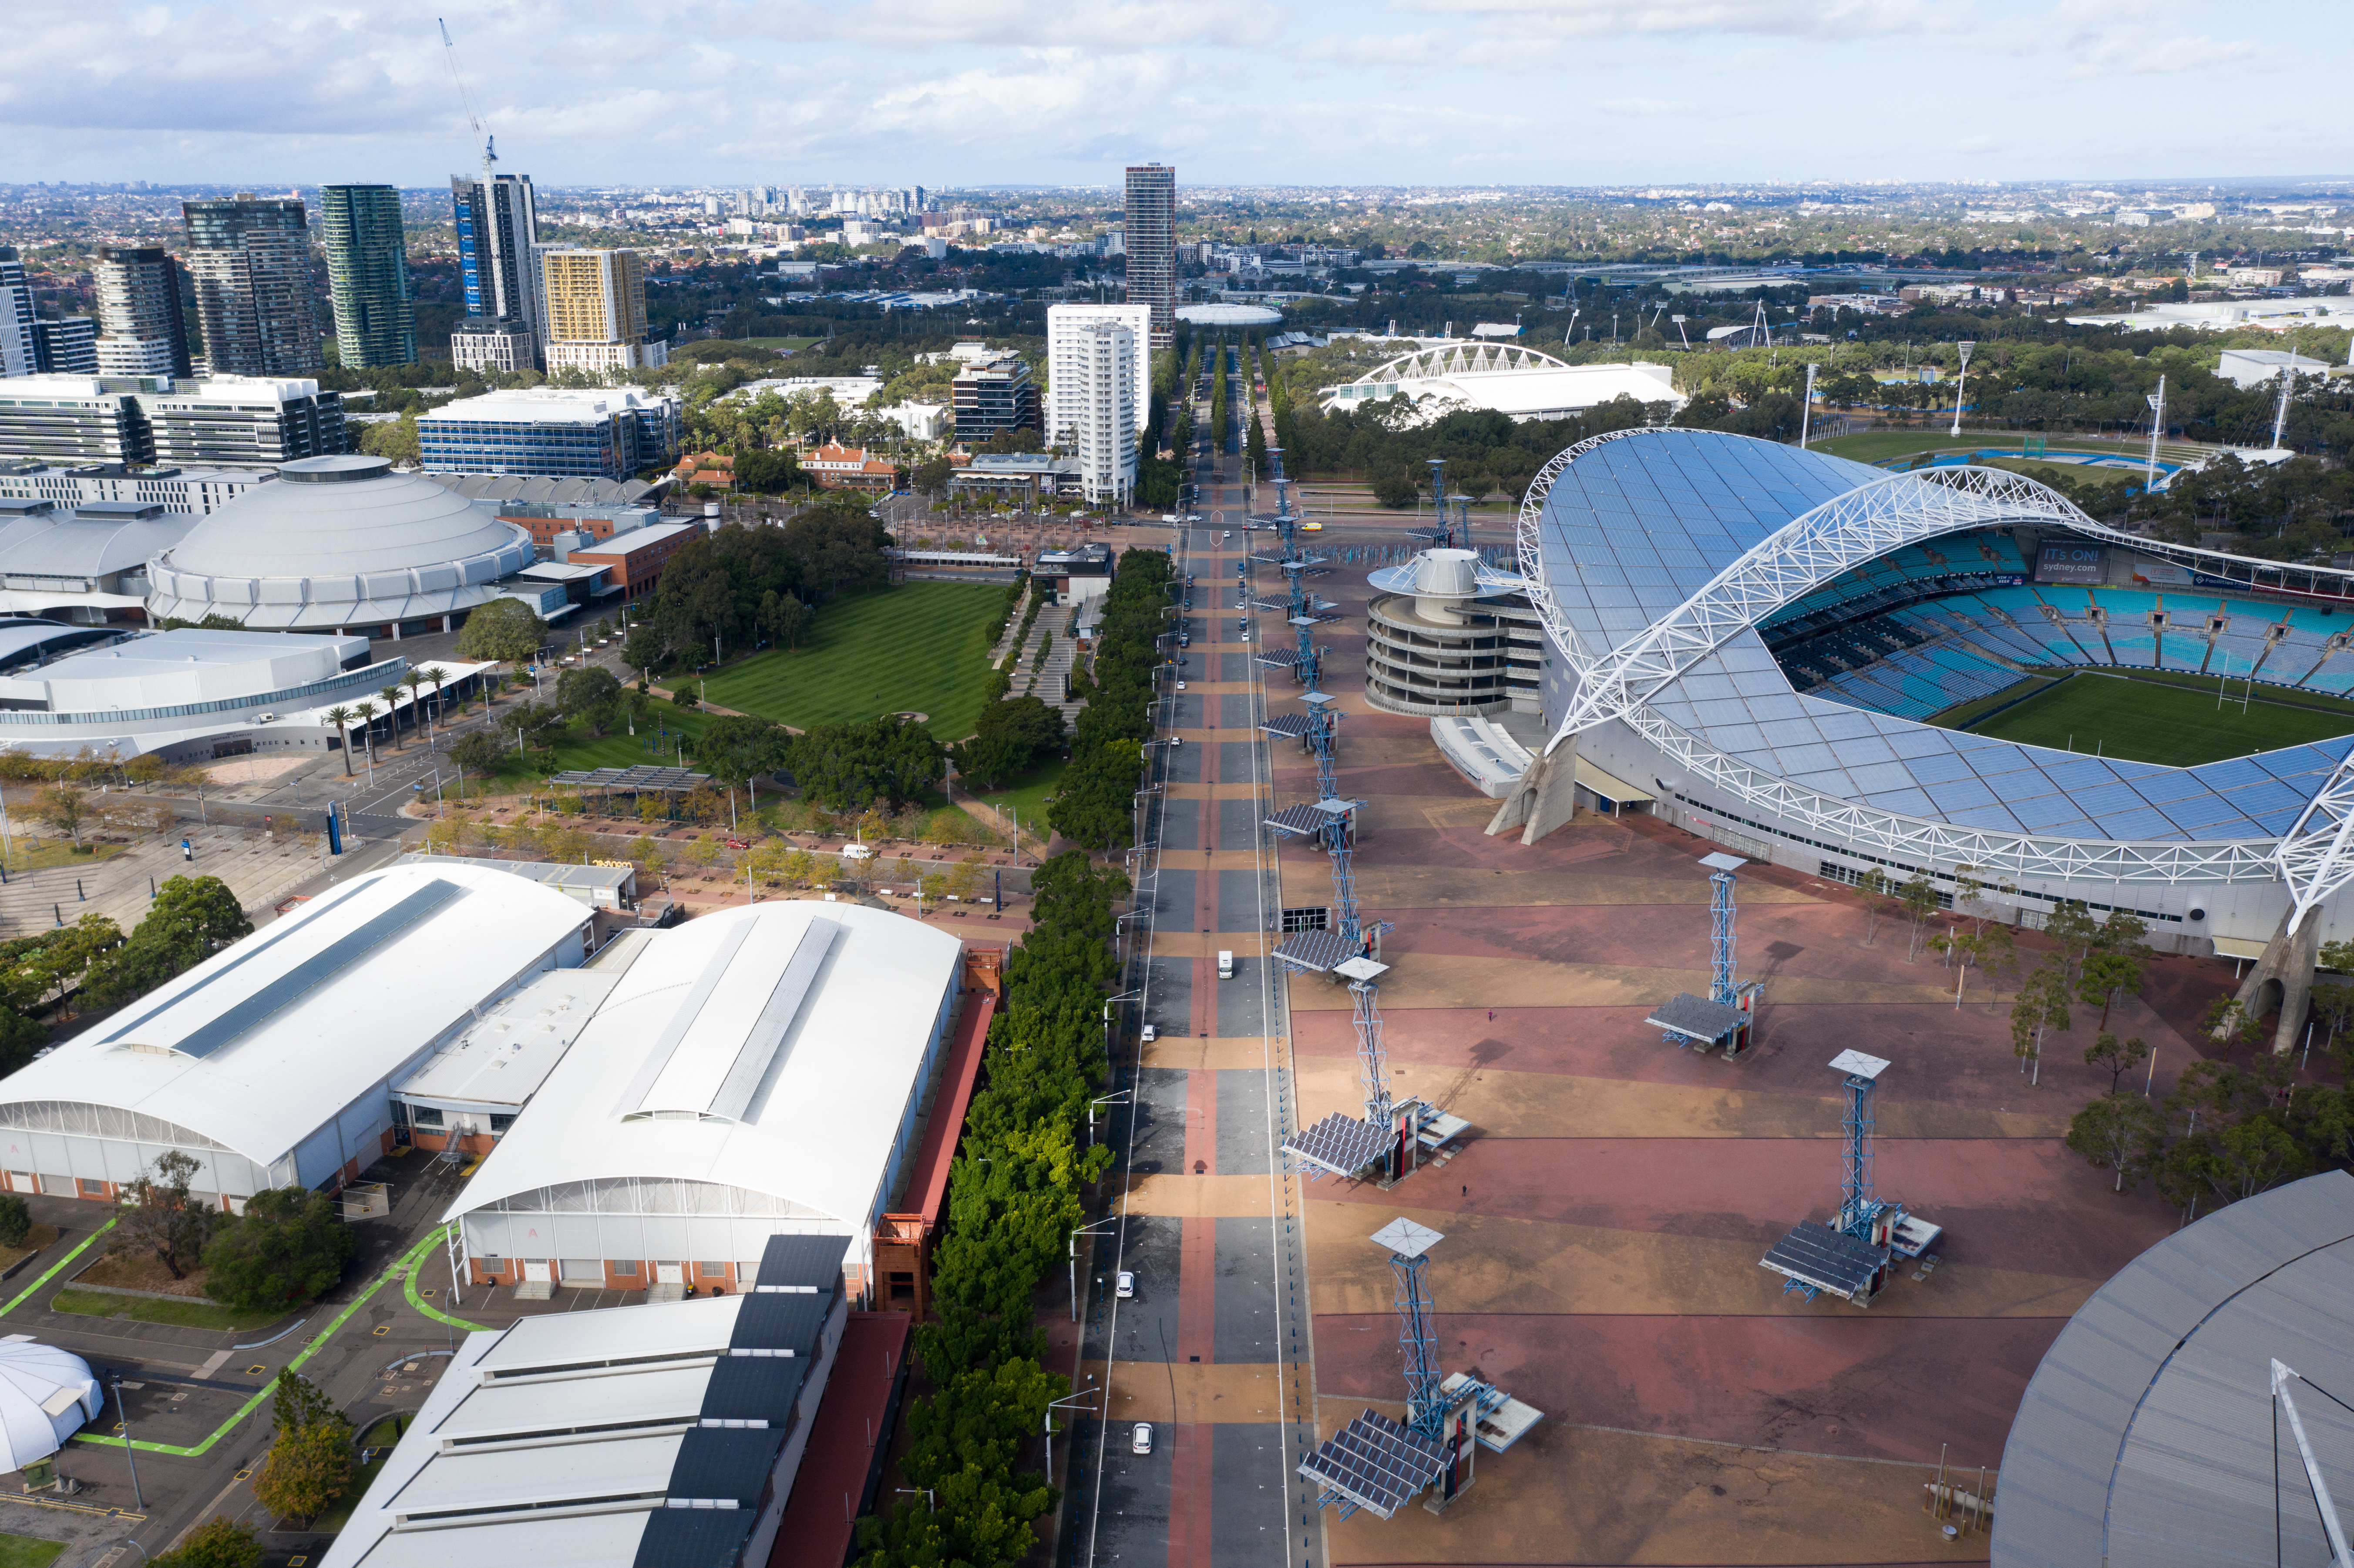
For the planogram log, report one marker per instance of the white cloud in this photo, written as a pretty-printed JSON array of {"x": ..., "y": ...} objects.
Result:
[
  {"x": 1795, "y": 18},
  {"x": 1378, "y": 48},
  {"x": 1981, "y": 144},
  {"x": 1644, "y": 106},
  {"x": 2129, "y": 51}
]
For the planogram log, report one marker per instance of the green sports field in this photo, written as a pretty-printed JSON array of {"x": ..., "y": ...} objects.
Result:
[
  {"x": 918, "y": 647},
  {"x": 2174, "y": 721}
]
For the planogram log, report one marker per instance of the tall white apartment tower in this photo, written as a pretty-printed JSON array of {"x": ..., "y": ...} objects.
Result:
[
  {"x": 1102, "y": 383},
  {"x": 1067, "y": 347}
]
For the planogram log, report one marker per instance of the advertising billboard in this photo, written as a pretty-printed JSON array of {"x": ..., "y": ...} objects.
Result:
[{"x": 2086, "y": 564}]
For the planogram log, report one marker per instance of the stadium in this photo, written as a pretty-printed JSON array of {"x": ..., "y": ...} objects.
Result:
[{"x": 1949, "y": 672}]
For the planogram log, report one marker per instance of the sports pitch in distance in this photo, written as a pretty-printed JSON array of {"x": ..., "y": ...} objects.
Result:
[
  {"x": 921, "y": 647},
  {"x": 2174, "y": 722}
]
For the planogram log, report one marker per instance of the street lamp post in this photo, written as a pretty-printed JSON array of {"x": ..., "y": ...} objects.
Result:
[
  {"x": 1082, "y": 1231},
  {"x": 1066, "y": 1399},
  {"x": 123, "y": 1410}
]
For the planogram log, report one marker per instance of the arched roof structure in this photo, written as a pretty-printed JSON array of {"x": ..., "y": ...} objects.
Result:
[
  {"x": 761, "y": 1061},
  {"x": 1653, "y": 554},
  {"x": 1462, "y": 359}
]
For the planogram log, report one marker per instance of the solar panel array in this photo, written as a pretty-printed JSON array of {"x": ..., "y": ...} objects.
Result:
[
  {"x": 1317, "y": 950},
  {"x": 1300, "y": 820},
  {"x": 1291, "y": 725},
  {"x": 1821, "y": 1255},
  {"x": 1279, "y": 658},
  {"x": 633, "y": 777},
  {"x": 1697, "y": 1016},
  {"x": 1375, "y": 1463},
  {"x": 1342, "y": 1144}
]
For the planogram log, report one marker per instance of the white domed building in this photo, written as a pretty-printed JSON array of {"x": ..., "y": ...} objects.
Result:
[
  {"x": 46, "y": 1395},
  {"x": 339, "y": 544}
]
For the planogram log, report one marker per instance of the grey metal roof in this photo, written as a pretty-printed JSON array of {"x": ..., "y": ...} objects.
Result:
[
  {"x": 2146, "y": 1436},
  {"x": 533, "y": 489},
  {"x": 811, "y": 1260}
]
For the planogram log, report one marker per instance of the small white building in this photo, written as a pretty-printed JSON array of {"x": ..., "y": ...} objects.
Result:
[
  {"x": 46, "y": 1395},
  {"x": 270, "y": 1064},
  {"x": 754, "y": 1072},
  {"x": 2251, "y": 367}
]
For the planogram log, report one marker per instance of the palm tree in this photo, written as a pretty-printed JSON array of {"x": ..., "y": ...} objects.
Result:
[
  {"x": 339, "y": 719},
  {"x": 366, "y": 712},
  {"x": 391, "y": 696},
  {"x": 434, "y": 675},
  {"x": 412, "y": 680}
]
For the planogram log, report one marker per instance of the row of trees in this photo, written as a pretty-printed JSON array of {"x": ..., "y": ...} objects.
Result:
[
  {"x": 289, "y": 1246},
  {"x": 1093, "y": 805},
  {"x": 1014, "y": 1201},
  {"x": 191, "y": 918}
]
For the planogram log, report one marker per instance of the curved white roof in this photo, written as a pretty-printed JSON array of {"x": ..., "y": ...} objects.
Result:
[
  {"x": 46, "y": 1395},
  {"x": 268, "y": 1040},
  {"x": 775, "y": 1048},
  {"x": 338, "y": 541},
  {"x": 1224, "y": 314}
]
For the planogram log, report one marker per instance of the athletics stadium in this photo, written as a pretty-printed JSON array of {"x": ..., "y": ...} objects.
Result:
[{"x": 1950, "y": 672}]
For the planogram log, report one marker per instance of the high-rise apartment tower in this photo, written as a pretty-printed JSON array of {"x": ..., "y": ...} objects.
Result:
[
  {"x": 498, "y": 252},
  {"x": 596, "y": 311},
  {"x": 1151, "y": 238},
  {"x": 141, "y": 329},
  {"x": 250, "y": 259},
  {"x": 367, "y": 275},
  {"x": 1070, "y": 360},
  {"x": 20, "y": 352},
  {"x": 1104, "y": 362}
]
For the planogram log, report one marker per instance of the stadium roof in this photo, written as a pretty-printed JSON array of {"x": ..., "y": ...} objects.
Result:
[
  {"x": 779, "y": 1048},
  {"x": 2146, "y": 1437},
  {"x": 1635, "y": 526},
  {"x": 265, "y": 1042}
]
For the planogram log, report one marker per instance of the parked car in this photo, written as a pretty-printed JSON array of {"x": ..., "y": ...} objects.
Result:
[
  {"x": 1142, "y": 1442},
  {"x": 1123, "y": 1286},
  {"x": 1151, "y": 1033}
]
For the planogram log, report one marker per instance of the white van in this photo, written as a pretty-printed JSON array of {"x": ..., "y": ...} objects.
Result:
[{"x": 1225, "y": 964}]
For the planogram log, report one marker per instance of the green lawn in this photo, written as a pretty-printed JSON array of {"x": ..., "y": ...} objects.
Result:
[
  {"x": 28, "y": 1552},
  {"x": 2173, "y": 721},
  {"x": 920, "y": 647},
  {"x": 1880, "y": 445},
  {"x": 190, "y": 1314},
  {"x": 43, "y": 855},
  {"x": 779, "y": 344},
  {"x": 1027, "y": 799}
]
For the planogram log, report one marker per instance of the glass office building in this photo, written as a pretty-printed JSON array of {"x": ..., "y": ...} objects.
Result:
[
  {"x": 367, "y": 275},
  {"x": 608, "y": 433}
]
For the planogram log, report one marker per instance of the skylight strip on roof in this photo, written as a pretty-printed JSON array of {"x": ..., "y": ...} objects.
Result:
[
  {"x": 246, "y": 1013},
  {"x": 651, "y": 1070},
  {"x": 244, "y": 954},
  {"x": 768, "y": 1035}
]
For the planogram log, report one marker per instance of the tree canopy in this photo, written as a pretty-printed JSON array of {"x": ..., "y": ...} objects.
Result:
[
  {"x": 886, "y": 761},
  {"x": 192, "y": 919},
  {"x": 505, "y": 631},
  {"x": 289, "y": 1246}
]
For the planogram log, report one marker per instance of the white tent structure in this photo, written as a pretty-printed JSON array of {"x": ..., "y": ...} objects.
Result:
[{"x": 46, "y": 1395}]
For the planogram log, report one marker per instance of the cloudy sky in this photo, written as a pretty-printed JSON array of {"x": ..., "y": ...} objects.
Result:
[{"x": 949, "y": 92}]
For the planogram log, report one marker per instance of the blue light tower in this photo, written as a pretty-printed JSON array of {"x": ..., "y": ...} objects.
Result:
[
  {"x": 1721, "y": 868},
  {"x": 1408, "y": 1246},
  {"x": 1860, "y": 1212}
]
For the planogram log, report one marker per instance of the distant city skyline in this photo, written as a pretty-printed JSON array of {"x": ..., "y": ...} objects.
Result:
[{"x": 1441, "y": 92}]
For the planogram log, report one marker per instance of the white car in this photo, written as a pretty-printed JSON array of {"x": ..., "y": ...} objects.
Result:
[
  {"x": 1151, "y": 1033},
  {"x": 1230, "y": 533},
  {"x": 1123, "y": 1286},
  {"x": 1142, "y": 1442},
  {"x": 1245, "y": 636},
  {"x": 1180, "y": 685}
]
